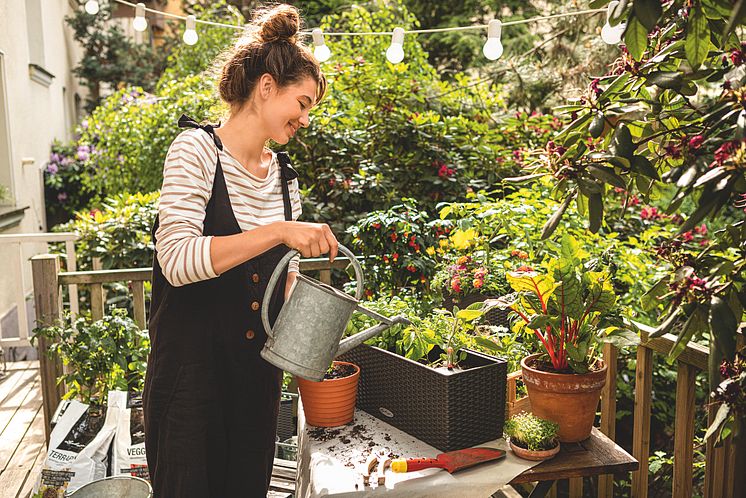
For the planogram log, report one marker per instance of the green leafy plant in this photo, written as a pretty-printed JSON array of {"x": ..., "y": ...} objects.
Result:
[
  {"x": 99, "y": 356},
  {"x": 531, "y": 432},
  {"x": 570, "y": 308}
]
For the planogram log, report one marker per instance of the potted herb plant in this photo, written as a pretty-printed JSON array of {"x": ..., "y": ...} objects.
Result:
[
  {"x": 423, "y": 379},
  {"x": 570, "y": 308},
  {"x": 331, "y": 402},
  {"x": 531, "y": 437}
]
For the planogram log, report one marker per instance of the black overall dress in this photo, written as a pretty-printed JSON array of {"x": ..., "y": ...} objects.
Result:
[{"x": 210, "y": 400}]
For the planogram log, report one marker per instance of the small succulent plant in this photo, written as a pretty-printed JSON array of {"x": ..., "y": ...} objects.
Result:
[{"x": 531, "y": 432}]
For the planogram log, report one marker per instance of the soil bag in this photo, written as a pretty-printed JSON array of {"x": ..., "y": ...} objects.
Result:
[
  {"x": 78, "y": 448},
  {"x": 128, "y": 455}
]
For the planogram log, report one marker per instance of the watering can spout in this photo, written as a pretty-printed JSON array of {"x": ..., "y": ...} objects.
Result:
[{"x": 359, "y": 338}]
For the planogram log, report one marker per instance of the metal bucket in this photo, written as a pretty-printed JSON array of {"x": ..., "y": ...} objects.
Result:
[{"x": 114, "y": 487}]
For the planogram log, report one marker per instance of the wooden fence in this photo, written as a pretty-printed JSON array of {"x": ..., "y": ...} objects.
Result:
[{"x": 723, "y": 479}]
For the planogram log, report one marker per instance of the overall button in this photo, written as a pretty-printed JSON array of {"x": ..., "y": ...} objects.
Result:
[
  {"x": 255, "y": 306},
  {"x": 249, "y": 334},
  {"x": 255, "y": 278}
]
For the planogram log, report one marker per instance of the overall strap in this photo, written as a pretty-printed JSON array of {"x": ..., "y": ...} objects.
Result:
[
  {"x": 187, "y": 122},
  {"x": 287, "y": 173}
]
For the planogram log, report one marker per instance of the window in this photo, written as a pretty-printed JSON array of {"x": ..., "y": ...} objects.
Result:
[{"x": 35, "y": 35}]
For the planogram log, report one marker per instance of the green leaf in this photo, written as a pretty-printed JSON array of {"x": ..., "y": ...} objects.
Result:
[
  {"x": 736, "y": 18},
  {"x": 488, "y": 344},
  {"x": 620, "y": 338},
  {"x": 597, "y": 125},
  {"x": 724, "y": 326},
  {"x": 668, "y": 80},
  {"x": 643, "y": 166},
  {"x": 648, "y": 12},
  {"x": 695, "y": 323},
  {"x": 551, "y": 225},
  {"x": 621, "y": 142},
  {"x": 595, "y": 212},
  {"x": 606, "y": 175},
  {"x": 697, "y": 44},
  {"x": 720, "y": 417},
  {"x": 468, "y": 315},
  {"x": 636, "y": 38}
]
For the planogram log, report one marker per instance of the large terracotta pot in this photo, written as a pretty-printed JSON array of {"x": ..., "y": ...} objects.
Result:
[
  {"x": 331, "y": 402},
  {"x": 570, "y": 400}
]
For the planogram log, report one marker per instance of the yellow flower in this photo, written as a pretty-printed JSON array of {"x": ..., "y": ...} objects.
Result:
[
  {"x": 443, "y": 243},
  {"x": 430, "y": 251},
  {"x": 463, "y": 239}
]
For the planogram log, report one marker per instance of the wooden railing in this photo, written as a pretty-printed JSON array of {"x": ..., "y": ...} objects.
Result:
[
  {"x": 48, "y": 282},
  {"x": 722, "y": 479}
]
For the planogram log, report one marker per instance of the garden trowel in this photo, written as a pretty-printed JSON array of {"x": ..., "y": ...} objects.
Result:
[{"x": 452, "y": 461}]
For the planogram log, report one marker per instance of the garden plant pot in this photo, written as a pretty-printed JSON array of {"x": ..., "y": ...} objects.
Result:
[
  {"x": 534, "y": 456},
  {"x": 447, "y": 409},
  {"x": 570, "y": 400},
  {"x": 330, "y": 402}
]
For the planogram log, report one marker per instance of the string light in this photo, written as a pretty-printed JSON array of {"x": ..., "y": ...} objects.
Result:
[
  {"x": 91, "y": 6},
  {"x": 493, "y": 48},
  {"x": 190, "y": 34},
  {"x": 320, "y": 50},
  {"x": 139, "y": 23},
  {"x": 395, "y": 52},
  {"x": 612, "y": 34}
]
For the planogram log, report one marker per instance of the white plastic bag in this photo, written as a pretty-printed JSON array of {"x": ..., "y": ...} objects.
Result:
[
  {"x": 128, "y": 457},
  {"x": 78, "y": 448}
]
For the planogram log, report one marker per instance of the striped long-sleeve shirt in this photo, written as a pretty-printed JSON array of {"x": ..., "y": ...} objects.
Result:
[{"x": 188, "y": 173}]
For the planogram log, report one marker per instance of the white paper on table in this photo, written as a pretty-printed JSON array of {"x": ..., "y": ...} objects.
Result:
[{"x": 324, "y": 466}]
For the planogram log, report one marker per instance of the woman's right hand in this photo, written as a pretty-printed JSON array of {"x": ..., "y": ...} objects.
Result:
[{"x": 310, "y": 239}]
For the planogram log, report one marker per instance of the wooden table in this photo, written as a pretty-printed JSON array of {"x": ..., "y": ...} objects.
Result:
[{"x": 596, "y": 455}]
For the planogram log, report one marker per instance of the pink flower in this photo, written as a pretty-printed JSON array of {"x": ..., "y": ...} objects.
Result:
[
  {"x": 456, "y": 284},
  {"x": 696, "y": 142},
  {"x": 478, "y": 283}
]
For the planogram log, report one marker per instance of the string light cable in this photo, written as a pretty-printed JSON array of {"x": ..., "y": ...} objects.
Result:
[{"x": 492, "y": 49}]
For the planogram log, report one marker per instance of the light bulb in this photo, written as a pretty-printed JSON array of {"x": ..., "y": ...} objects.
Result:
[
  {"x": 395, "y": 52},
  {"x": 320, "y": 50},
  {"x": 493, "y": 48},
  {"x": 91, "y": 6},
  {"x": 139, "y": 23},
  {"x": 190, "y": 34},
  {"x": 612, "y": 35}
]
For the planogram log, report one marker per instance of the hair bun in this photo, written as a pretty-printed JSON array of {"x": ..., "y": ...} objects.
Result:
[{"x": 281, "y": 22}]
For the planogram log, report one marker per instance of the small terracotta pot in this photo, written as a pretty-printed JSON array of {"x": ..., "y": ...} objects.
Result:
[
  {"x": 570, "y": 400},
  {"x": 535, "y": 456},
  {"x": 331, "y": 402}
]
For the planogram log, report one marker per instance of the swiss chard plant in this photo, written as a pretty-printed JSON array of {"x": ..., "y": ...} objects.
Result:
[{"x": 569, "y": 307}]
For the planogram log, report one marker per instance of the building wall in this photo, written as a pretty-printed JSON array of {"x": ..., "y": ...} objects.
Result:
[{"x": 37, "y": 54}]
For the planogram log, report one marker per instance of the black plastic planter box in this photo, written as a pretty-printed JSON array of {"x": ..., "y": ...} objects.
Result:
[{"x": 449, "y": 411}]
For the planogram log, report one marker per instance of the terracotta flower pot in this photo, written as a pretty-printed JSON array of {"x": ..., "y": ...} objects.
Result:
[
  {"x": 331, "y": 402},
  {"x": 535, "y": 456},
  {"x": 570, "y": 400}
]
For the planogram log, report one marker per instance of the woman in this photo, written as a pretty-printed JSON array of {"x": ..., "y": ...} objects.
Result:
[{"x": 225, "y": 219}]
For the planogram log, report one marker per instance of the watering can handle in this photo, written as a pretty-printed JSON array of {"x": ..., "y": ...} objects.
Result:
[{"x": 281, "y": 266}]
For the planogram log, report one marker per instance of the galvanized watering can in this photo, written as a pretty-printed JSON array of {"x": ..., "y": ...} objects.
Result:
[{"x": 306, "y": 336}]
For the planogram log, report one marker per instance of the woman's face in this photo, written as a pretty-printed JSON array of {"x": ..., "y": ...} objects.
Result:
[{"x": 286, "y": 109}]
